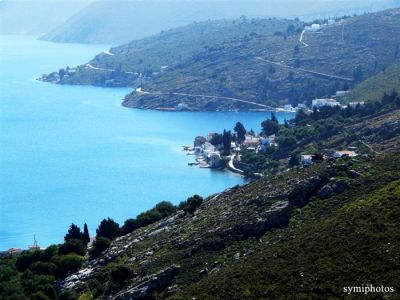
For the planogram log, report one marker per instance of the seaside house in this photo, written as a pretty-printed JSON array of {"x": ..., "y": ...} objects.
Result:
[
  {"x": 264, "y": 144},
  {"x": 207, "y": 149},
  {"x": 214, "y": 159},
  {"x": 302, "y": 106},
  {"x": 182, "y": 107},
  {"x": 251, "y": 142},
  {"x": 199, "y": 141},
  {"x": 198, "y": 151},
  {"x": 210, "y": 136}
]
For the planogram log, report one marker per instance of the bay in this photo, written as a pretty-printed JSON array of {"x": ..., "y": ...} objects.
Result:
[{"x": 74, "y": 154}]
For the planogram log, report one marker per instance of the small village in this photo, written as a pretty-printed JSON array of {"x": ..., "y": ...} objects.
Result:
[{"x": 212, "y": 151}]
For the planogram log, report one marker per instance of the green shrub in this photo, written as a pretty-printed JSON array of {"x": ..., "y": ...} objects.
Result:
[
  {"x": 165, "y": 208},
  {"x": 48, "y": 253},
  {"x": 108, "y": 228},
  {"x": 25, "y": 259},
  {"x": 43, "y": 268},
  {"x": 73, "y": 246},
  {"x": 121, "y": 274},
  {"x": 129, "y": 226},
  {"x": 191, "y": 204},
  {"x": 100, "y": 245},
  {"x": 39, "y": 296},
  {"x": 148, "y": 217},
  {"x": 67, "y": 264},
  {"x": 68, "y": 295}
]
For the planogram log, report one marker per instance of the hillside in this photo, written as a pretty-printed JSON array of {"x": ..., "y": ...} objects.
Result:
[
  {"x": 36, "y": 17},
  {"x": 307, "y": 232},
  {"x": 107, "y": 23},
  {"x": 244, "y": 64},
  {"x": 373, "y": 87}
]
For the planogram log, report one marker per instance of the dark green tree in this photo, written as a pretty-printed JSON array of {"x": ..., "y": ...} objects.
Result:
[
  {"x": 108, "y": 228},
  {"x": 100, "y": 245},
  {"x": 226, "y": 141},
  {"x": 165, "y": 208},
  {"x": 270, "y": 126},
  {"x": 86, "y": 236},
  {"x": 216, "y": 140},
  {"x": 74, "y": 232},
  {"x": 73, "y": 246},
  {"x": 240, "y": 132},
  {"x": 129, "y": 226},
  {"x": 294, "y": 160},
  {"x": 191, "y": 204}
]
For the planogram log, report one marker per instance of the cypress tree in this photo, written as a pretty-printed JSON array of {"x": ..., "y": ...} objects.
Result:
[{"x": 86, "y": 236}]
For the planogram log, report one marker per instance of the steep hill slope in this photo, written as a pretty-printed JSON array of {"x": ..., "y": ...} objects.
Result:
[
  {"x": 257, "y": 61},
  {"x": 373, "y": 87},
  {"x": 119, "y": 22},
  {"x": 274, "y": 230},
  {"x": 321, "y": 258},
  {"x": 307, "y": 232},
  {"x": 34, "y": 17}
]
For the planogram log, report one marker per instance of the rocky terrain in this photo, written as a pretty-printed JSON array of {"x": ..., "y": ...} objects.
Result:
[
  {"x": 206, "y": 66},
  {"x": 170, "y": 255}
]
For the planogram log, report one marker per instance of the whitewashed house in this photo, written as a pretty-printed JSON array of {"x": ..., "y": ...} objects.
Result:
[
  {"x": 317, "y": 103},
  {"x": 214, "y": 159},
  {"x": 306, "y": 159},
  {"x": 338, "y": 154}
]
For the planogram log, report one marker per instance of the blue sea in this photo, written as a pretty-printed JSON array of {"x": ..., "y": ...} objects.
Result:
[{"x": 74, "y": 154}]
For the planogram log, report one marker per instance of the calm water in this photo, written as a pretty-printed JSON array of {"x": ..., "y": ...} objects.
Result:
[{"x": 73, "y": 154}]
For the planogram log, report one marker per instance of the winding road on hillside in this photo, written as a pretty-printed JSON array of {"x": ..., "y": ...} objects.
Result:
[
  {"x": 301, "y": 39},
  {"x": 206, "y": 96},
  {"x": 89, "y": 66},
  {"x": 304, "y": 70}
]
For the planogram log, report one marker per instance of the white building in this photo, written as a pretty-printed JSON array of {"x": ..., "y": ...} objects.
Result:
[
  {"x": 198, "y": 151},
  {"x": 348, "y": 153},
  {"x": 182, "y": 106},
  {"x": 264, "y": 144},
  {"x": 290, "y": 108},
  {"x": 214, "y": 159},
  {"x": 251, "y": 142},
  {"x": 306, "y": 160},
  {"x": 313, "y": 28},
  {"x": 199, "y": 141},
  {"x": 316, "y": 103},
  {"x": 341, "y": 93},
  {"x": 354, "y": 104}
]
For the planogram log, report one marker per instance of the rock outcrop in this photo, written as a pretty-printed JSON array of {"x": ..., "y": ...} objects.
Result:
[{"x": 150, "y": 284}]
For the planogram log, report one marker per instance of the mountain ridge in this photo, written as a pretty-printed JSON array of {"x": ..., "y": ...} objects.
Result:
[{"x": 259, "y": 61}]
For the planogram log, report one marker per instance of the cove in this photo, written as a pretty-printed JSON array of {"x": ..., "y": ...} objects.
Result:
[{"x": 74, "y": 154}]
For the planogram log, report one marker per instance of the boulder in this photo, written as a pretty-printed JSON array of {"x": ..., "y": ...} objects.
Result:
[
  {"x": 353, "y": 174},
  {"x": 326, "y": 191},
  {"x": 153, "y": 283}
]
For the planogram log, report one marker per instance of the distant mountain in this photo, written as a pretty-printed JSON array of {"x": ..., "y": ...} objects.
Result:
[
  {"x": 206, "y": 66},
  {"x": 34, "y": 17},
  {"x": 117, "y": 22}
]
